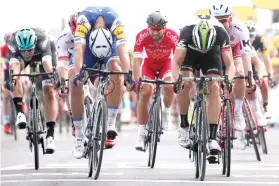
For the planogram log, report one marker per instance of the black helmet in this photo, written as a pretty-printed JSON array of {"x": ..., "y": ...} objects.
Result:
[{"x": 156, "y": 19}]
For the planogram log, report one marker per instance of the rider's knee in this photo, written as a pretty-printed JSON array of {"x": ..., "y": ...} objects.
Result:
[
  {"x": 214, "y": 88},
  {"x": 49, "y": 93}
]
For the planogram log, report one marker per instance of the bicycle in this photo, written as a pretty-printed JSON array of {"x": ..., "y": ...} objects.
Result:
[
  {"x": 35, "y": 124},
  {"x": 96, "y": 128},
  {"x": 154, "y": 122},
  {"x": 199, "y": 129}
]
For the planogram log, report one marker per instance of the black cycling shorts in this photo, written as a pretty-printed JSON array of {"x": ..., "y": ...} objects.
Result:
[{"x": 209, "y": 63}]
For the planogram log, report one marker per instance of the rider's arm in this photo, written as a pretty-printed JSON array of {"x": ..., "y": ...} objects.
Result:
[
  {"x": 46, "y": 54},
  {"x": 119, "y": 33},
  {"x": 223, "y": 41},
  {"x": 63, "y": 56},
  {"x": 266, "y": 57},
  {"x": 180, "y": 52},
  {"x": 138, "y": 56},
  {"x": 256, "y": 63},
  {"x": 246, "y": 50},
  {"x": 83, "y": 27},
  {"x": 13, "y": 58}
]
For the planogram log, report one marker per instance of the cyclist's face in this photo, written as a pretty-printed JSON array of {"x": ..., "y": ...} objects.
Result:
[
  {"x": 156, "y": 32},
  {"x": 226, "y": 21},
  {"x": 27, "y": 54}
]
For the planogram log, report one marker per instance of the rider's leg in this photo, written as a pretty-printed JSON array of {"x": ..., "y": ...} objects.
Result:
[
  {"x": 113, "y": 100},
  {"x": 18, "y": 94}
]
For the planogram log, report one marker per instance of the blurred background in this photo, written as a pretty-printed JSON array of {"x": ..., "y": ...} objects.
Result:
[{"x": 52, "y": 15}]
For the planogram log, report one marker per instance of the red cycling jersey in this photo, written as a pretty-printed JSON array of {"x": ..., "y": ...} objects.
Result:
[
  {"x": 4, "y": 55},
  {"x": 157, "y": 56}
]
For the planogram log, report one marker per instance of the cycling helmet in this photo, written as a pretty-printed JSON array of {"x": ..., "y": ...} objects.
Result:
[
  {"x": 204, "y": 35},
  {"x": 220, "y": 10},
  {"x": 73, "y": 21},
  {"x": 156, "y": 19},
  {"x": 26, "y": 39},
  {"x": 251, "y": 25},
  {"x": 100, "y": 42}
]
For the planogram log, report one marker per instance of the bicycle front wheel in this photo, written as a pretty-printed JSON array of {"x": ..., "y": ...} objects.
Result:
[
  {"x": 35, "y": 134},
  {"x": 202, "y": 148},
  {"x": 251, "y": 134},
  {"x": 156, "y": 122},
  {"x": 100, "y": 128},
  {"x": 262, "y": 139},
  {"x": 228, "y": 138}
]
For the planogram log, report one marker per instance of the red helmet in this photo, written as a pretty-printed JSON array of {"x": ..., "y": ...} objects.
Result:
[
  {"x": 73, "y": 21},
  {"x": 7, "y": 36}
]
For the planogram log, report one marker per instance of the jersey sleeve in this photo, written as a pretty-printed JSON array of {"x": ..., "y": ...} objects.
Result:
[
  {"x": 138, "y": 48},
  {"x": 263, "y": 47},
  {"x": 45, "y": 47},
  {"x": 83, "y": 27},
  {"x": 184, "y": 38},
  {"x": 13, "y": 52},
  {"x": 174, "y": 38},
  {"x": 222, "y": 38},
  {"x": 62, "y": 49},
  {"x": 244, "y": 38},
  {"x": 118, "y": 31}
]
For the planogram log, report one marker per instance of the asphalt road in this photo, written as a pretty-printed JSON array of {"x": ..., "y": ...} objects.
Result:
[{"x": 123, "y": 166}]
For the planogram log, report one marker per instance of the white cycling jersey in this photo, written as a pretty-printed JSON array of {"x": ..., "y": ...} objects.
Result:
[
  {"x": 65, "y": 44},
  {"x": 239, "y": 33}
]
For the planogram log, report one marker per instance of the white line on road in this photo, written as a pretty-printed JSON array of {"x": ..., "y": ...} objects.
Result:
[
  {"x": 255, "y": 176},
  {"x": 59, "y": 174},
  {"x": 143, "y": 181}
]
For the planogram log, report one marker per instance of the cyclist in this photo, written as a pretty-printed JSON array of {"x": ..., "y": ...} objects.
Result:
[
  {"x": 6, "y": 93},
  {"x": 159, "y": 43},
  {"x": 239, "y": 33},
  {"x": 259, "y": 45},
  {"x": 65, "y": 49},
  {"x": 105, "y": 21},
  {"x": 204, "y": 43},
  {"x": 26, "y": 46}
]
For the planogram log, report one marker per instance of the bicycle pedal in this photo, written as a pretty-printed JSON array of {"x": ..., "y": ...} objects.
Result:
[
  {"x": 49, "y": 151},
  {"x": 40, "y": 132}
]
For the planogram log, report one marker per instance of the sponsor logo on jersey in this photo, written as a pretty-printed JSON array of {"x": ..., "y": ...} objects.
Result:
[
  {"x": 158, "y": 53},
  {"x": 119, "y": 32},
  {"x": 142, "y": 36},
  {"x": 12, "y": 49},
  {"x": 44, "y": 44},
  {"x": 238, "y": 28},
  {"x": 172, "y": 37},
  {"x": 81, "y": 31}
]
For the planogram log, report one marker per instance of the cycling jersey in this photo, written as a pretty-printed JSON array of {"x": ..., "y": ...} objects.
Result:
[
  {"x": 239, "y": 33},
  {"x": 259, "y": 45},
  {"x": 65, "y": 44},
  {"x": 209, "y": 62},
  {"x": 85, "y": 24},
  {"x": 157, "y": 55}
]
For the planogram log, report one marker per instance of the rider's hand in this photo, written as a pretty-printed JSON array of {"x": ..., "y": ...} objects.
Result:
[
  {"x": 77, "y": 80},
  {"x": 179, "y": 85},
  {"x": 129, "y": 83}
]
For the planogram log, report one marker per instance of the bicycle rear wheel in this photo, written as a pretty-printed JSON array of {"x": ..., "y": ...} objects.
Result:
[
  {"x": 35, "y": 130},
  {"x": 251, "y": 130},
  {"x": 195, "y": 141},
  {"x": 89, "y": 134},
  {"x": 155, "y": 133},
  {"x": 262, "y": 139},
  {"x": 100, "y": 128}
]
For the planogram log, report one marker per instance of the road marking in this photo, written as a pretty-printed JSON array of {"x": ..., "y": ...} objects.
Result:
[
  {"x": 59, "y": 174},
  {"x": 143, "y": 181},
  {"x": 255, "y": 176}
]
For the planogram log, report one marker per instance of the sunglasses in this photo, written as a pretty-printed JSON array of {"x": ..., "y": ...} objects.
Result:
[
  {"x": 156, "y": 28},
  {"x": 224, "y": 20}
]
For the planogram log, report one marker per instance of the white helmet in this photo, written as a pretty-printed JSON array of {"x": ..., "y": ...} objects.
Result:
[
  {"x": 204, "y": 34},
  {"x": 100, "y": 42},
  {"x": 220, "y": 10},
  {"x": 251, "y": 25}
]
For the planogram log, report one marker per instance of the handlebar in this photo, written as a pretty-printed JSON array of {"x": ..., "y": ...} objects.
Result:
[{"x": 158, "y": 82}]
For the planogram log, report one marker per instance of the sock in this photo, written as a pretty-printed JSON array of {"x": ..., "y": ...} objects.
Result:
[
  {"x": 112, "y": 114},
  {"x": 78, "y": 127},
  {"x": 184, "y": 121},
  {"x": 213, "y": 131},
  {"x": 167, "y": 110},
  {"x": 238, "y": 105},
  {"x": 265, "y": 106},
  {"x": 50, "y": 129},
  {"x": 141, "y": 129},
  {"x": 255, "y": 104},
  {"x": 18, "y": 104}
]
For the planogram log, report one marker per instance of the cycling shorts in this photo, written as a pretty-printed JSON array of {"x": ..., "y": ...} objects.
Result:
[{"x": 148, "y": 70}]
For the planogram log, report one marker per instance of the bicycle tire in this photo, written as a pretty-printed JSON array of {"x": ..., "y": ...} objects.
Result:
[
  {"x": 13, "y": 120},
  {"x": 203, "y": 144},
  {"x": 262, "y": 139},
  {"x": 90, "y": 136},
  {"x": 228, "y": 139},
  {"x": 222, "y": 139},
  {"x": 251, "y": 131},
  {"x": 155, "y": 133},
  {"x": 101, "y": 112},
  {"x": 88, "y": 109},
  {"x": 35, "y": 135},
  {"x": 197, "y": 130}
]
